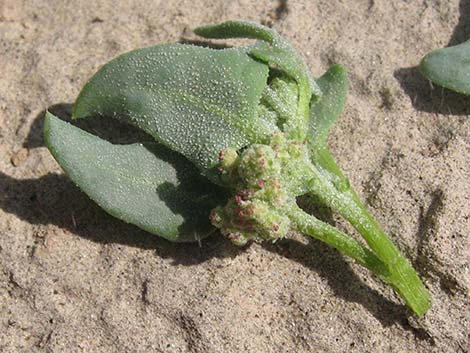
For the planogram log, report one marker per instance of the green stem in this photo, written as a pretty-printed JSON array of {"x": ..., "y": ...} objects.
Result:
[
  {"x": 324, "y": 232},
  {"x": 403, "y": 277}
]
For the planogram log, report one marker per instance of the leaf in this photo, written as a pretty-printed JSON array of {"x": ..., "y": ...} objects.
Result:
[
  {"x": 278, "y": 54},
  {"x": 273, "y": 49},
  {"x": 449, "y": 67},
  {"x": 197, "y": 101},
  {"x": 146, "y": 185},
  {"x": 324, "y": 113},
  {"x": 238, "y": 29},
  {"x": 281, "y": 97}
]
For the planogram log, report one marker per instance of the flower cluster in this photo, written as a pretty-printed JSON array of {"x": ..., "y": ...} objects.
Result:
[{"x": 265, "y": 179}]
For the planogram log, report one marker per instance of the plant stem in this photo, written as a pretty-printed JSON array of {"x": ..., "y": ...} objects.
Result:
[
  {"x": 403, "y": 277},
  {"x": 322, "y": 231},
  {"x": 405, "y": 280}
]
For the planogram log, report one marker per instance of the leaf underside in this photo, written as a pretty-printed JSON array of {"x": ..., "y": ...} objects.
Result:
[
  {"x": 145, "y": 185},
  {"x": 196, "y": 101},
  {"x": 449, "y": 67}
]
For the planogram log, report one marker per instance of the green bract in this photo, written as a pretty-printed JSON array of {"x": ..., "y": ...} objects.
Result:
[
  {"x": 240, "y": 134},
  {"x": 449, "y": 67}
]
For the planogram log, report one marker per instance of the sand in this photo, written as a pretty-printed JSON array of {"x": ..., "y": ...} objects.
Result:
[{"x": 73, "y": 279}]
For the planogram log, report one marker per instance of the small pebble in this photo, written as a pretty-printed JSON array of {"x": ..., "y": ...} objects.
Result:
[{"x": 19, "y": 157}]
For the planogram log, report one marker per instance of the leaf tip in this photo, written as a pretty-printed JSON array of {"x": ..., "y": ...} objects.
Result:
[
  {"x": 48, "y": 120},
  {"x": 237, "y": 29},
  {"x": 339, "y": 69}
]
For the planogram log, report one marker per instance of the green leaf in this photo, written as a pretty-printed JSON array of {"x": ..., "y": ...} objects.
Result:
[
  {"x": 278, "y": 54},
  {"x": 449, "y": 67},
  {"x": 273, "y": 49},
  {"x": 238, "y": 29},
  {"x": 281, "y": 97},
  {"x": 197, "y": 101},
  {"x": 146, "y": 185},
  {"x": 324, "y": 113}
]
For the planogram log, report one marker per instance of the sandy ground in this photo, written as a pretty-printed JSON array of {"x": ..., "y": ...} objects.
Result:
[{"x": 73, "y": 279}]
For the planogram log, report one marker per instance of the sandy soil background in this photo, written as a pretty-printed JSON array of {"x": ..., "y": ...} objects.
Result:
[{"x": 73, "y": 279}]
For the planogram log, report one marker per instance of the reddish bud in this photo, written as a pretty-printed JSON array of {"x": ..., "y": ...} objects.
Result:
[
  {"x": 221, "y": 155},
  {"x": 245, "y": 195}
]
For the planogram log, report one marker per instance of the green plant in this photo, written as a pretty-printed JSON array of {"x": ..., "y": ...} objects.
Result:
[
  {"x": 449, "y": 67},
  {"x": 241, "y": 134}
]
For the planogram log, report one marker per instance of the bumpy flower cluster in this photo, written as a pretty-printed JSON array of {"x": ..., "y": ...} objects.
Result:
[{"x": 265, "y": 179}]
